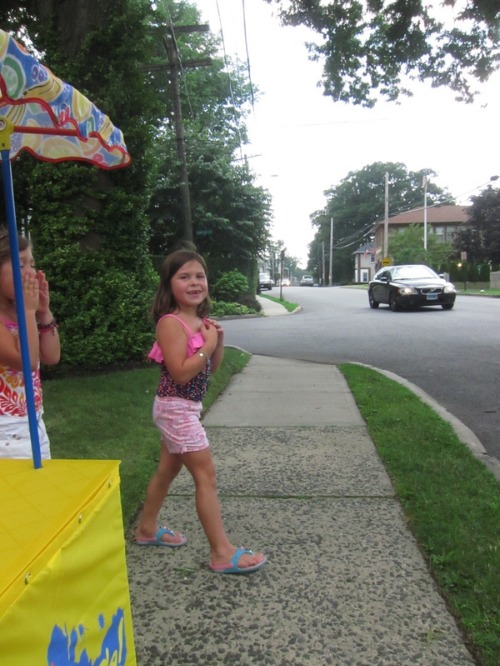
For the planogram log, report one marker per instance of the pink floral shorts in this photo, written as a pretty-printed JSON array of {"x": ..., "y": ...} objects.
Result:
[{"x": 178, "y": 420}]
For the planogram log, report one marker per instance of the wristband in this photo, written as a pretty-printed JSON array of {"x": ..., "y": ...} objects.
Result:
[{"x": 45, "y": 328}]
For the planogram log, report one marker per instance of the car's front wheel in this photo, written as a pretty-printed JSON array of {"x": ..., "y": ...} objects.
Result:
[{"x": 373, "y": 303}]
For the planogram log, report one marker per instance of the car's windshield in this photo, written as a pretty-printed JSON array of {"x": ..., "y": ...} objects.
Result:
[{"x": 412, "y": 272}]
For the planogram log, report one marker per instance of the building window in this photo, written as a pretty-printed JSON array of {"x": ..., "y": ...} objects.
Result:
[
  {"x": 439, "y": 232},
  {"x": 450, "y": 233}
]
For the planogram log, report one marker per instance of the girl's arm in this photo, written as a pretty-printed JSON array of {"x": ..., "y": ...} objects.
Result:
[
  {"x": 172, "y": 339},
  {"x": 10, "y": 345},
  {"x": 218, "y": 353},
  {"x": 50, "y": 346}
]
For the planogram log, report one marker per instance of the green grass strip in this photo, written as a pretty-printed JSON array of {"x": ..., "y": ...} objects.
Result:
[
  {"x": 289, "y": 306},
  {"x": 451, "y": 501}
]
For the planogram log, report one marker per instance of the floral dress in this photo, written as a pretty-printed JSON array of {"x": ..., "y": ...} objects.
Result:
[{"x": 15, "y": 439}]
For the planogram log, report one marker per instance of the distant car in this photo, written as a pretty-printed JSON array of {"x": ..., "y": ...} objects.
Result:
[
  {"x": 265, "y": 281},
  {"x": 285, "y": 282},
  {"x": 307, "y": 281},
  {"x": 410, "y": 286}
]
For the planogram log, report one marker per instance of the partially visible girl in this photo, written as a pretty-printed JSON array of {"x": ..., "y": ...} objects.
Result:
[
  {"x": 188, "y": 346},
  {"x": 43, "y": 344}
]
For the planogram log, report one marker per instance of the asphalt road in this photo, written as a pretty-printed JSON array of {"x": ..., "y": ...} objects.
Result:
[{"x": 453, "y": 356}]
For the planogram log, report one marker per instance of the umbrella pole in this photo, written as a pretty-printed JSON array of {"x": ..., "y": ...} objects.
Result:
[{"x": 18, "y": 290}]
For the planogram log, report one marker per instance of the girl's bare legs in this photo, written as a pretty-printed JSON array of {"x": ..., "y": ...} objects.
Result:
[
  {"x": 201, "y": 468},
  {"x": 168, "y": 467}
]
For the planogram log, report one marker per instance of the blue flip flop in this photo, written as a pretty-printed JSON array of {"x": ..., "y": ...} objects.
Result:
[
  {"x": 157, "y": 540},
  {"x": 232, "y": 566}
]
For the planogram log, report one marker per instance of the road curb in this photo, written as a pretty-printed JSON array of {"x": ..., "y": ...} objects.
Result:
[{"x": 463, "y": 432}]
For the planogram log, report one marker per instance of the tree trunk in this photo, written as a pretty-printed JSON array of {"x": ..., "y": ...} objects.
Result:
[{"x": 72, "y": 20}]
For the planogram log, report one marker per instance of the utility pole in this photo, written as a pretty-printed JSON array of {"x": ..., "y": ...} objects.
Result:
[
  {"x": 386, "y": 217},
  {"x": 323, "y": 281},
  {"x": 424, "y": 185},
  {"x": 282, "y": 257},
  {"x": 331, "y": 251},
  {"x": 175, "y": 67}
]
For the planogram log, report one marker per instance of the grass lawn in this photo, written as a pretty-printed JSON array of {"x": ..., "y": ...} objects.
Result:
[
  {"x": 450, "y": 499},
  {"x": 477, "y": 292},
  {"x": 289, "y": 306}
]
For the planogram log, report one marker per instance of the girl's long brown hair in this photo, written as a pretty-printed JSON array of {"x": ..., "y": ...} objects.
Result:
[
  {"x": 164, "y": 301},
  {"x": 22, "y": 241}
]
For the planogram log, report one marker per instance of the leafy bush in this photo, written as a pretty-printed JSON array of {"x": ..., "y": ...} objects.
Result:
[
  {"x": 230, "y": 286},
  {"x": 223, "y": 309},
  {"x": 103, "y": 311},
  {"x": 471, "y": 271}
]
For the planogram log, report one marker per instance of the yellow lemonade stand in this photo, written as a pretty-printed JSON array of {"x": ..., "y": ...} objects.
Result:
[{"x": 64, "y": 595}]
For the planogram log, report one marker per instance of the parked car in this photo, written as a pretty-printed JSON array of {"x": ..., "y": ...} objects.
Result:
[
  {"x": 285, "y": 282},
  {"x": 410, "y": 286},
  {"x": 265, "y": 281},
  {"x": 307, "y": 281}
]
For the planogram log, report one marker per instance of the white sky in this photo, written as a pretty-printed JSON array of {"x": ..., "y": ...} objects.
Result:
[{"x": 302, "y": 143}]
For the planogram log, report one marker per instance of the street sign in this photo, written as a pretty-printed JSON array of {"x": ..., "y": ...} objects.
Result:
[{"x": 386, "y": 261}]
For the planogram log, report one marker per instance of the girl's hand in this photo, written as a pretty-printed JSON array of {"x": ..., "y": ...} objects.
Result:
[
  {"x": 31, "y": 292},
  {"x": 209, "y": 333},
  {"x": 43, "y": 289},
  {"x": 218, "y": 327}
]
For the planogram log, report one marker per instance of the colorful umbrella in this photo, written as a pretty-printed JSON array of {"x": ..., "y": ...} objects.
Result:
[{"x": 50, "y": 119}]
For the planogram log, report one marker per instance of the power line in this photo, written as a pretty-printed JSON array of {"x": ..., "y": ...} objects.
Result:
[
  {"x": 229, "y": 78},
  {"x": 247, "y": 53}
]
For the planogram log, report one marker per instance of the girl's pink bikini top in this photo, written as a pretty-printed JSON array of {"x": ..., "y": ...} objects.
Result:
[
  {"x": 196, "y": 388},
  {"x": 195, "y": 341}
]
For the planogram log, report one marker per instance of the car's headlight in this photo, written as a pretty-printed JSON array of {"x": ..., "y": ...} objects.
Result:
[
  {"x": 406, "y": 291},
  {"x": 449, "y": 289}
]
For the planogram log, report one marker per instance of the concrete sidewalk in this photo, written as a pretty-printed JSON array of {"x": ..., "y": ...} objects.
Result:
[{"x": 299, "y": 478}]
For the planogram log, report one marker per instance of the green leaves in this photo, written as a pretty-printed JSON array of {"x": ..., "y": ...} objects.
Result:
[
  {"x": 373, "y": 49},
  {"x": 481, "y": 238}
]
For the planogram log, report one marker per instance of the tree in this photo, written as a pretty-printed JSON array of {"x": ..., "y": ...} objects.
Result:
[
  {"x": 88, "y": 226},
  {"x": 375, "y": 45},
  {"x": 357, "y": 203},
  {"x": 481, "y": 238},
  {"x": 407, "y": 247},
  {"x": 231, "y": 215},
  {"x": 92, "y": 229}
]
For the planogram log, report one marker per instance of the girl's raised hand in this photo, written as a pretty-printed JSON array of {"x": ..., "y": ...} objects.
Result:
[
  {"x": 207, "y": 322},
  {"x": 31, "y": 292},
  {"x": 43, "y": 290},
  {"x": 209, "y": 334}
]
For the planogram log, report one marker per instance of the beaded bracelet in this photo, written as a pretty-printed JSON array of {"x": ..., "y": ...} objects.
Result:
[{"x": 45, "y": 328}]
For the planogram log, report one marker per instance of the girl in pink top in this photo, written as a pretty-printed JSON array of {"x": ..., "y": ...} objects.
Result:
[
  {"x": 44, "y": 347},
  {"x": 188, "y": 347}
]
